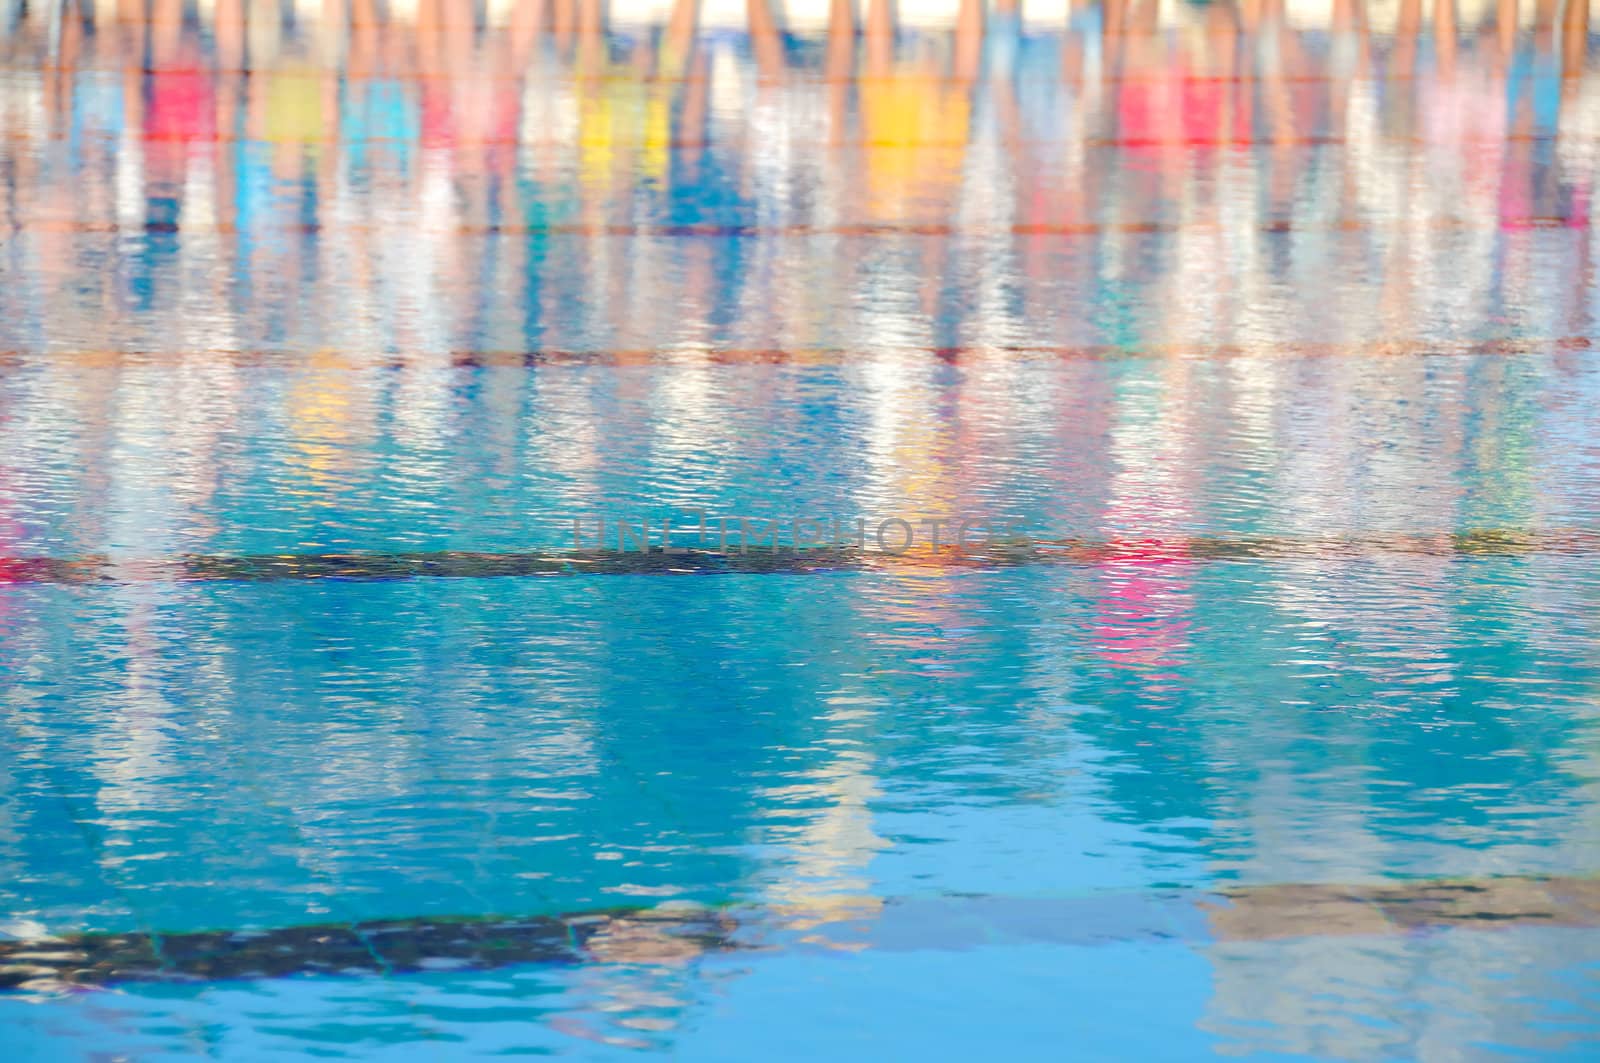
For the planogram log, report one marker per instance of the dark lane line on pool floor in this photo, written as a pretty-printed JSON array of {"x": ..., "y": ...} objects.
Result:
[
  {"x": 465, "y": 564},
  {"x": 676, "y": 933},
  {"x": 803, "y": 356}
]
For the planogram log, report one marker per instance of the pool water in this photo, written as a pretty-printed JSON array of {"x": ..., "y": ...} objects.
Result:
[{"x": 1260, "y": 716}]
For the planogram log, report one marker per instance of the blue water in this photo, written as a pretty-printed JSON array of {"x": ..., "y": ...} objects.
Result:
[{"x": 1271, "y": 340}]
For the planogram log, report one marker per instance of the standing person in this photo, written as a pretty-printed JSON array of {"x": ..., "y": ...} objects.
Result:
[{"x": 180, "y": 111}]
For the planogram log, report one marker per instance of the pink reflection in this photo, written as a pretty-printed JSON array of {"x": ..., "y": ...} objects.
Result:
[{"x": 1143, "y": 609}]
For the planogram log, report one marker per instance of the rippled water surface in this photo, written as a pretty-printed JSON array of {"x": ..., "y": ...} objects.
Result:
[{"x": 1252, "y": 347}]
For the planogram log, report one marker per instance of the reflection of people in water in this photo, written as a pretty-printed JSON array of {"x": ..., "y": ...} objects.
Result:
[
  {"x": 914, "y": 129},
  {"x": 1143, "y": 611},
  {"x": 12, "y": 567},
  {"x": 1214, "y": 73}
]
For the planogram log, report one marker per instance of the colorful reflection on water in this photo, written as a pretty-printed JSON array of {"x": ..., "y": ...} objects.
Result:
[{"x": 1276, "y": 323}]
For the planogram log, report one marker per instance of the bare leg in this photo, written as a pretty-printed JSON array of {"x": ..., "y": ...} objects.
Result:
[
  {"x": 1574, "y": 40},
  {"x": 764, "y": 39},
  {"x": 969, "y": 40},
  {"x": 680, "y": 37},
  {"x": 880, "y": 37}
]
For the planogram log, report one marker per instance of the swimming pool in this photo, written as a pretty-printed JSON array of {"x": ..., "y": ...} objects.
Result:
[{"x": 1265, "y": 724}]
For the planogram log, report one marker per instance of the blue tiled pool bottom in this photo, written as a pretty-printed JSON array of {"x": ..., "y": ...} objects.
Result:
[{"x": 1155, "y": 1000}]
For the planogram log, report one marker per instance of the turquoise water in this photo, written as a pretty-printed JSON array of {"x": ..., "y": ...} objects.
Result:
[{"x": 1270, "y": 729}]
